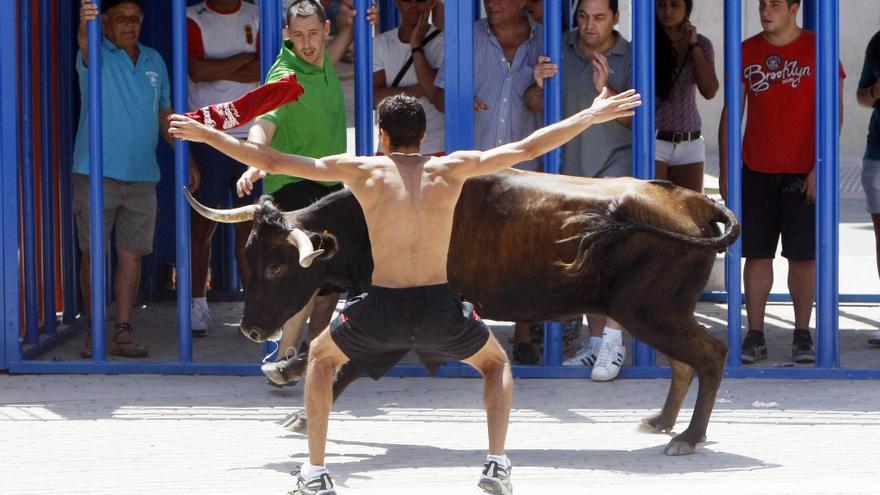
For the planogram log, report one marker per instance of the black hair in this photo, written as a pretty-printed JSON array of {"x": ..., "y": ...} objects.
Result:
[
  {"x": 109, "y": 4},
  {"x": 664, "y": 60},
  {"x": 612, "y": 4},
  {"x": 872, "y": 53},
  {"x": 305, "y": 8},
  {"x": 403, "y": 119}
]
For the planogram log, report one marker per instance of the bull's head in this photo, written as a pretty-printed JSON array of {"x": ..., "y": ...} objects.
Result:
[{"x": 281, "y": 255}]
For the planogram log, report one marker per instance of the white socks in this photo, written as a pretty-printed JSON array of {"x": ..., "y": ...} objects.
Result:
[
  {"x": 595, "y": 341},
  {"x": 613, "y": 335},
  {"x": 310, "y": 472}
]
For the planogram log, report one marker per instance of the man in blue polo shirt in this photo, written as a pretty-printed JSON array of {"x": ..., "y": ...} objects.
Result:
[{"x": 135, "y": 104}]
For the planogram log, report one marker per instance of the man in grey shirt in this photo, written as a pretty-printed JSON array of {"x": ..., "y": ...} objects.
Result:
[{"x": 594, "y": 55}]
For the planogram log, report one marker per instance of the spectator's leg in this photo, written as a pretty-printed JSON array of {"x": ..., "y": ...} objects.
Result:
[
  {"x": 802, "y": 286},
  {"x": 202, "y": 231},
  {"x": 689, "y": 176},
  {"x": 242, "y": 231},
  {"x": 596, "y": 323},
  {"x": 661, "y": 170},
  {"x": 758, "y": 280},
  {"x": 875, "y": 218},
  {"x": 126, "y": 280}
]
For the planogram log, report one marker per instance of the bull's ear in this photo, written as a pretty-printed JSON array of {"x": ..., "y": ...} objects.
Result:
[{"x": 326, "y": 242}]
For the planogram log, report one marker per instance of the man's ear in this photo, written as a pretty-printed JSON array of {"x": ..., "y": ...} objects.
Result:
[
  {"x": 326, "y": 241},
  {"x": 327, "y": 28}
]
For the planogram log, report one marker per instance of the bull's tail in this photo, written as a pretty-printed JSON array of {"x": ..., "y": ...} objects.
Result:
[{"x": 609, "y": 228}]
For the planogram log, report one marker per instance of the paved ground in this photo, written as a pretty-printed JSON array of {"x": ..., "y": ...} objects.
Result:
[{"x": 221, "y": 435}]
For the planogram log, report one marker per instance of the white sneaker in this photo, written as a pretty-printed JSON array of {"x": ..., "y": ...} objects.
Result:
[
  {"x": 586, "y": 356},
  {"x": 201, "y": 319},
  {"x": 874, "y": 339},
  {"x": 611, "y": 356}
]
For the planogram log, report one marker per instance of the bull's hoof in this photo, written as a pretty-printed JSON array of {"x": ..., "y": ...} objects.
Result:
[
  {"x": 656, "y": 424},
  {"x": 682, "y": 444},
  {"x": 297, "y": 423}
]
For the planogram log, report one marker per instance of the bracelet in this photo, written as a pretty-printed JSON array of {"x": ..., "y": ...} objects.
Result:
[{"x": 418, "y": 49}]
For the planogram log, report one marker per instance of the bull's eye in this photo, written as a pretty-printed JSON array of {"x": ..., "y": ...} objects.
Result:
[{"x": 275, "y": 270}]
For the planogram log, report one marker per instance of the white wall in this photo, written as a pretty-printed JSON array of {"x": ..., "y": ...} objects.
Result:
[{"x": 859, "y": 20}]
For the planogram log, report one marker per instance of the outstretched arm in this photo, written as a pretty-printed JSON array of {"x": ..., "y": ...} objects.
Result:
[
  {"x": 262, "y": 156},
  {"x": 472, "y": 163}
]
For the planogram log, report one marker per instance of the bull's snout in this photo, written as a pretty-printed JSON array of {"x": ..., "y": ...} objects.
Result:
[{"x": 259, "y": 335}]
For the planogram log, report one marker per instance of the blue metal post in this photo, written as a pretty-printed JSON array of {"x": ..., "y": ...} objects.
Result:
[
  {"x": 733, "y": 100},
  {"x": 47, "y": 162},
  {"x": 389, "y": 16},
  {"x": 96, "y": 188},
  {"x": 10, "y": 75},
  {"x": 809, "y": 10},
  {"x": 271, "y": 20},
  {"x": 459, "y": 75},
  {"x": 363, "y": 80},
  {"x": 28, "y": 200},
  {"x": 643, "y": 122},
  {"x": 181, "y": 179},
  {"x": 827, "y": 163},
  {"x": 69, "y": 279},
  {"x": 553, "y": 159}
]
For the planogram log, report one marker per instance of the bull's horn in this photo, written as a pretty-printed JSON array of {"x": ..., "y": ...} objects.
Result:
[
  {"x": 307, "y": 252},
  {"x": 234, "y": 215}
]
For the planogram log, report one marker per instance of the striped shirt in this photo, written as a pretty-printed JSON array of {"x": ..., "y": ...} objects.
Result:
[{"x": 502, "y": 86}]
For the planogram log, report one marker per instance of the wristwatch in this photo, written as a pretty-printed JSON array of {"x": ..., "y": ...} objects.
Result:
[{"x": 418, "y": 49}]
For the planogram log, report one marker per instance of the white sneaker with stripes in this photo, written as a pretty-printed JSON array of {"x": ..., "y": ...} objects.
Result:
[{"x": 612, "y": 353}]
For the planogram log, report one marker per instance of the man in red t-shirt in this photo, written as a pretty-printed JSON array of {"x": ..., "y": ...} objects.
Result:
[{"x": 778, "y": 173}]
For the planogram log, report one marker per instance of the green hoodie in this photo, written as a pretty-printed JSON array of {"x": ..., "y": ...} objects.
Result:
[{"x": 312, "y": 126}]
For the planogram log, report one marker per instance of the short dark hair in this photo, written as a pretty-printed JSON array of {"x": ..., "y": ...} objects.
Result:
[
  {"x": 109, "y": 4},
  {"x": 792, "y": 2},
  {"x": 612, "y": 4},
  {"x": 305, "y": 8},
  {"x": 403, "y": 119}
]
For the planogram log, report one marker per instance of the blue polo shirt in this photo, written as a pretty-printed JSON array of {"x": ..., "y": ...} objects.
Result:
[{"x": 133, "y": 94}]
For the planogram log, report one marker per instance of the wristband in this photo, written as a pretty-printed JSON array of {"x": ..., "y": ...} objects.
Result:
[{"x": 418, "y": 49}]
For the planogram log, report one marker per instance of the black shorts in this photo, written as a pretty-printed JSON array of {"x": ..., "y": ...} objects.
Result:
[
  {"x": 774, "y": 205},
  {"x": 377, "y": 329},
  {"x": 298, "y": 195}
]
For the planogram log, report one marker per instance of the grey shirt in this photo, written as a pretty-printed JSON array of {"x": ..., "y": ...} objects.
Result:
[{"x": 603, "y": 150}]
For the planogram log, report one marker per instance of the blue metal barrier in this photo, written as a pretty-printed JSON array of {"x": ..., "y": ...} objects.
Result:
[
  {"x": 827, "y": 180},
  {"x": 47, "y": 165},
  {"x": 733, "y": 99},
  {"x": 459, "y": 75},
  {"x": 363, "y": 80},
  {"x": 96, "y": 190},
  {"x": 10, "y": 305},
  {"x": 553, "y": 159},
  {"x": 69, "y": 279},
  {"x": 270, "y": 33},
  {"x": 28, "y": 193},
  {"x": 643, "y": 42}
]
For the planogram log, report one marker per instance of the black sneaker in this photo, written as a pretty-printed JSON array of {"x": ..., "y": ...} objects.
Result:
[
  {"x": 322, "y": 485},
  {"x": 802, "y": 350},
  {"x": 754, "y": 348},
  {"x": 495, "y": 479}
]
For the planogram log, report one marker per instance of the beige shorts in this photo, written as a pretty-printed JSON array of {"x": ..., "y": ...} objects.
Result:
[{"x": 129, "y": 208}]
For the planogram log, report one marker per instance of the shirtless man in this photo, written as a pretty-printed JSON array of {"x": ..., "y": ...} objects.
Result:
[{"x": 408, "y": 201}]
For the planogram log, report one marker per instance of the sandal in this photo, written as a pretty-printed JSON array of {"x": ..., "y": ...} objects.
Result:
[{"x": 124, "y": 345}]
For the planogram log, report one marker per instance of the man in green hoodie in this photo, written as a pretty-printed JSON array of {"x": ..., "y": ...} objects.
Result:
[{"x": 313, "y": 126}]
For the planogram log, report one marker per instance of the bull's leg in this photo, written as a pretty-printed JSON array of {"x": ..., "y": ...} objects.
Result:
[
  {"x": 682, "y": 375},
  {"x": 686, "y": 341},
  {"x": 347, "y": 373}
]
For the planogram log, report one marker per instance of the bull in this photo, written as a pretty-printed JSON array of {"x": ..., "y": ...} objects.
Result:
[{"x": 526, "y": 247}]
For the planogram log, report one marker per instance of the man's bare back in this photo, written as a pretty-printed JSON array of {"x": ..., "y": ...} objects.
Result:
[{"x": 408, "y": 201}]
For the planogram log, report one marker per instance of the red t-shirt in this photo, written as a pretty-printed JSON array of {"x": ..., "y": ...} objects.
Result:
[{"x": 780, "y": 82}]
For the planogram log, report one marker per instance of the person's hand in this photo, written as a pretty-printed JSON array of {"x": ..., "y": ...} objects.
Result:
[
  {"x": 195, "y": 176},
  {"x": 479, "y": 104},
  {"x": 245, "y": 184},
  {"x": 601, "y": 71},
  {"x": 810, "y": 186},
  {"x": 183, "y": 127},
  {"x": 347, "y": 13},
  {"x": 419, "y": 32},
  {"x": 689, "y": 32},
  {"x": 605, "y": 108},
  {"x": 88, "y": 11},
  {"x": 544, "y": 69},
  {"x": 722, "y": 186}
]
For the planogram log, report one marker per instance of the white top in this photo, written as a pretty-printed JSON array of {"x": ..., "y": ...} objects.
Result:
[
  {"x": 389, "y": 55},
  {"x": 223, "y": 35}
]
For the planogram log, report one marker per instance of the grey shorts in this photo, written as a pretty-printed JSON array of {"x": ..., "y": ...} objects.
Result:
[
  {"x": 129, "y": 208},
  {"x": 871, "y": 184}
]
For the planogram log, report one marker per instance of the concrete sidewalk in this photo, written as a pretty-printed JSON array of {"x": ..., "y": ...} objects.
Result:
[{"x": 222, "y": 435}]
